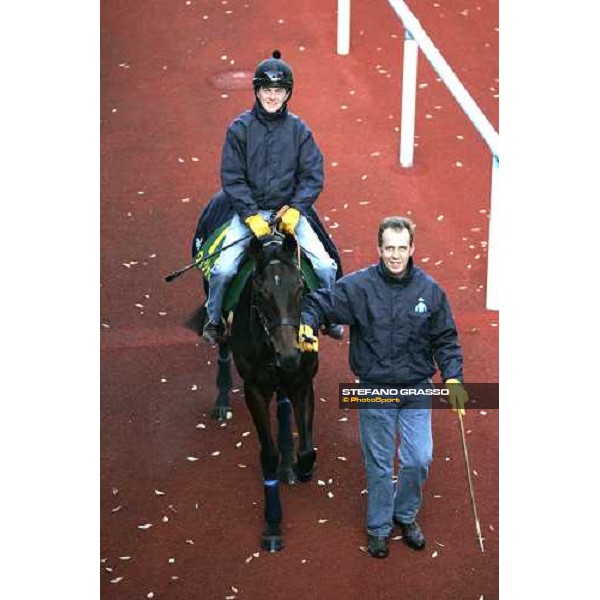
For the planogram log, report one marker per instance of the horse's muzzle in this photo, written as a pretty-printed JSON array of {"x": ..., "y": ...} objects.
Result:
[{"x": 289, "y": 362}]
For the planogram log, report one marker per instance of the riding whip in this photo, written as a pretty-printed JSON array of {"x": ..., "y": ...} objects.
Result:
[
  {"x": 175, "y": 274},
  {"x": 470, "y": 480}
]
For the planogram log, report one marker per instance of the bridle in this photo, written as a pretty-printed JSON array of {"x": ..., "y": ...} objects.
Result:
[{"x": 269, "y": 326}]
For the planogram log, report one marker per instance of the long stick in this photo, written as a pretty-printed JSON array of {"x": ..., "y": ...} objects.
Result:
[
  {"x": 175, "y": 274},
  {"x": 468, "y": 468}
]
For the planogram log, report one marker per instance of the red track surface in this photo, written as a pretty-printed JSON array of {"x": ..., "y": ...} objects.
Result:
[{"x": 162, "y": 128}]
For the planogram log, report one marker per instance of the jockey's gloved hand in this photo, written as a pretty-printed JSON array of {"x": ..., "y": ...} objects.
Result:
[
  {"x": 458, "y": 396},
  {"x": 260, "y": 228},
  {"x": 307, "y": 340},
  {"x": 289, "y": 220}
]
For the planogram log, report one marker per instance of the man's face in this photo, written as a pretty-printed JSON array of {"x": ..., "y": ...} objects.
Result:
[
  {"x": 272, "y": 98},
  {"x": 395, "y": 250}
]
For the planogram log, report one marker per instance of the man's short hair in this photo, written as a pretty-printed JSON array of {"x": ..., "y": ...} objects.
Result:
[{"x": 397, "y": 223}]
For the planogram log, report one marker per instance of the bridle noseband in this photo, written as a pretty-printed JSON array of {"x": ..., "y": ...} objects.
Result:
[{"x": 270, "y": 326}]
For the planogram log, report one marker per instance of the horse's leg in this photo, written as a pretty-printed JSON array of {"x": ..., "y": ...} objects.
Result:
[
  {"x": 258, "y": 405},
  {"x": 285, "y": 440},
  {"x": 222, "y": 409},
  {"x": 304, "y": 402}
]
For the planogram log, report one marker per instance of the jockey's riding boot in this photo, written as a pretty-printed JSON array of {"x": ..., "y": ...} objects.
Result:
[
  {"x": 212, "y": 333},
  {"x": 335, "y": 331}
]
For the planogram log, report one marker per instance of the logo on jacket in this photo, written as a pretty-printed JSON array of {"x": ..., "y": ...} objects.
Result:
[{"x": 421, "y": 307}]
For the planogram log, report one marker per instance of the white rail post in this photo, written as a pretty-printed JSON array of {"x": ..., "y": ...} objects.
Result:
[
  {"x": 409, "y": 100},
  {"x": 492, "y": 299},
  {"x": 343, "y": 27}
]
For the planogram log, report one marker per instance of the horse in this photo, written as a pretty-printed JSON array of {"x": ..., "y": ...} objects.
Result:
[{"x": 264, "y": 345}]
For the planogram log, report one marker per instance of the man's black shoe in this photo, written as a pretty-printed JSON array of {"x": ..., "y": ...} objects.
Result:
[
  {"x": 335, "y": 331},
  {"x": 212, "y": 333},
  {"x": 377, "y": 546},
  {"x": 412, "y": 535}
]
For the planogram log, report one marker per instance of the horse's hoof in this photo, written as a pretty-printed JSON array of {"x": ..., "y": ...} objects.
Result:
[
  {"x": 221, "y": 413},
  {"x": 304, "y": 477},
  {"x": 272, "y": 543},
  {"x": 287, "y": 476}
]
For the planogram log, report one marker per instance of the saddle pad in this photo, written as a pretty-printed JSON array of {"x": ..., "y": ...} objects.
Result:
[{"x": 214, "y": 243}]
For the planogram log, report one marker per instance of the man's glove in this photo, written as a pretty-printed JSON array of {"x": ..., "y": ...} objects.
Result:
[
  {"x": 307, "y": 340},
  {"x": 258, "y": 225},
  {"x": 458, "y": 396},
  {"x": 289, "y": 220}
]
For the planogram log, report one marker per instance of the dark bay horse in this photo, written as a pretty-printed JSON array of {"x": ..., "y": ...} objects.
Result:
[{"x": 264, "y": 344}]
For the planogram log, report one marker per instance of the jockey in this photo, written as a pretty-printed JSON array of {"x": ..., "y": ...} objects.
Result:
[{"x": 270, "y": 159}]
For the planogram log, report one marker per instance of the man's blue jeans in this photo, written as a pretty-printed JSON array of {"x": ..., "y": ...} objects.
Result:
[
  {"x": 228, "y": 262},
  {"x": 379, "y": 430}
]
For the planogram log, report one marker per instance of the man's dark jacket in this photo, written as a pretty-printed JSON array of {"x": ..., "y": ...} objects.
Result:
[{"x": 398, "y": 327}]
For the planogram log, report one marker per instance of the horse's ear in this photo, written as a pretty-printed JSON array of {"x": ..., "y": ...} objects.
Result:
[
  {"x": 289, "y": 245},
  {"x": 255, "y": 248}
]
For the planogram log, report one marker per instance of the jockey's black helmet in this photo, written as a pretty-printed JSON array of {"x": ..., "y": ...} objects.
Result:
[{"x": 273, "y": 72}]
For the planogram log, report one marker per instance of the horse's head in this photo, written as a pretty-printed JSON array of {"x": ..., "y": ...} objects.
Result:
[{"x": 276, "y": 297}]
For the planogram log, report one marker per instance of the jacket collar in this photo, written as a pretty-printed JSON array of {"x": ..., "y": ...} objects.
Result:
[
  {"x": 266, "y": 117},
  {"x": 389, "y": 278}
]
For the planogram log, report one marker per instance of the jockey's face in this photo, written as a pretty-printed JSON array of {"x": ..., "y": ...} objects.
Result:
[
  {"x": 395, "y": 250},
  {"x": 272, "y": 99}
]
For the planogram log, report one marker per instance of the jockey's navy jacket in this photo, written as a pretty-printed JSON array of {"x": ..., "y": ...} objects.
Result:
[
  {"x": 270, "y": 160},
  {"x": 398, "y": 326}
]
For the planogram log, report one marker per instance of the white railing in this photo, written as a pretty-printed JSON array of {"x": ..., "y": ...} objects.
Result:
[{"x": 415, "y": 38}]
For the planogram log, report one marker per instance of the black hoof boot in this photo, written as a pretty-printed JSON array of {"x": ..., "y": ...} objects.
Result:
[
  {"x": 287, "y": 475},
  {"x": 272, "y": 543},
  {"x": 221, "y": 413},
  {"x": 271, "y": 538},
  {"x": 303, "y": 477}
]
